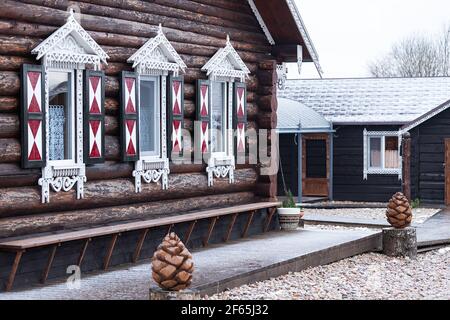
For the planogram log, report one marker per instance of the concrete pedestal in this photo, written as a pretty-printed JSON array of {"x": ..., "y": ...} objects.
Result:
[
  {"x": 400, "y": 242},
  {"x": 159, "y": 294}
]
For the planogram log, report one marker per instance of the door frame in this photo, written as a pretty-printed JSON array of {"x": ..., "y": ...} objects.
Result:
[{"x": 305, "y": 180}]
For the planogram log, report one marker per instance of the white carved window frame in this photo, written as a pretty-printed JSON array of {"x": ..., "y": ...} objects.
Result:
[
  {"x": 68, "y": 49},
  {"x": 366, "y": 153},
  {"x": 220, "y": 68},
  {"x": 156, "y": 57}
]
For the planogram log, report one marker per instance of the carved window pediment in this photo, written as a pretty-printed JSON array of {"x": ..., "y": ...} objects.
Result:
[
  {"x": 226, "y": 63},
  {"x": 71, "y": 44},
  {"x": 157, "y": 54}
]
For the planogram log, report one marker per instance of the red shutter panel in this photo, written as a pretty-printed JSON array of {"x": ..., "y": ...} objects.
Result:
[
  {"x": 129, "y": 117},
  {"x": 204, "y": 114},
  {"x": 94, "y": 117},
  {"x": 32, "y": 116},
  {"x": 240, "y": 117},
  {"x": 175, "y": 122}
]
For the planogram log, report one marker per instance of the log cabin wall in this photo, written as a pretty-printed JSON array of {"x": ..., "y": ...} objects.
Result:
[
  {"x": 348, "y": 182},
  {"x": 428, "y": 157},
  {"x": 197, "y": 29}
]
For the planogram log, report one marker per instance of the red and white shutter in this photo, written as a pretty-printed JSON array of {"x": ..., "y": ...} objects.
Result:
[
  {"x": 204, "y": 114},
  {"x": 129, "y": 117},
  {"x": 32, "y": 117},
  {"x": 94, "y": 117},
  {"x": 175, "y": 117},
  {"x": 240, "y": 117}
]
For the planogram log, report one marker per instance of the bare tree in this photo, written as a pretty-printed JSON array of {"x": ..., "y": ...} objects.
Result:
[{"x": 416, "y": 56}]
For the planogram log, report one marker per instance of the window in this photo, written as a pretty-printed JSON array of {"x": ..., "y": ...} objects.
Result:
[
  {"x": 152, "y": 111},
  {"x": 384, "y": 153},
  {"x": 61, "y": 116},
  {"x": 219, "y": 117},
  {"x": 150, "y": 119},
  {"x": 375, "y": 152},
  {"x": 381, "y": 153},
  {"x": 221, "y": 107}
]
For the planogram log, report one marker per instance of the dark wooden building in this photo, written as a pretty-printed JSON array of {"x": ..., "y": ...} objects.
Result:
[
  {"x": 107, "y": 110},
  {"x": 369, "y": 118}
]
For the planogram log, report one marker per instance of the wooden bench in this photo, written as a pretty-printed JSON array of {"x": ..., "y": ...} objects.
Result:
[{"x": 19, "y": 246}]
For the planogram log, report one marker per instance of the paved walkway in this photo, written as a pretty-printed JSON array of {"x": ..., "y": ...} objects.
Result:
[
  {"x": 221, "y": 266},
  {"x": 436, "y": 230}
]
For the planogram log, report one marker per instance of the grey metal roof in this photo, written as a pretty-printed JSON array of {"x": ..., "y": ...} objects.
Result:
[
  {"x": 370, "y": 100},
  {"x": 294, "y": 116}
]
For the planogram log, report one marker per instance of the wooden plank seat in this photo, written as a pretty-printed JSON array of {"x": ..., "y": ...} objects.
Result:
[{"x": 19, "y": 246}]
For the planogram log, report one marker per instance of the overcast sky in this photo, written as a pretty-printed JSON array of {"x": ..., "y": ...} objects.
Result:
[{"x": 348, "y": 34}]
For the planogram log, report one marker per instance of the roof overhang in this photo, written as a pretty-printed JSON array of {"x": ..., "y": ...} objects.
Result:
[{"x": 285, "y": 30}]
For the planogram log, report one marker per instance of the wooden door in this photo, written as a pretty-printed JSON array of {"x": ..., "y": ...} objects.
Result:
[
  {"x": 315, "y": 165},
  {"x": 447, "y": 171}
]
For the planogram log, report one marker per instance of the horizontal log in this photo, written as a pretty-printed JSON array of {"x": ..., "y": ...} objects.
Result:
[
  {"x": 9, "y": 150},
  {"x": 27, "y": 200},
  {"x": 209, "y": 17},
  {"x": 9, "y": 83},
  {"x": 16, "y": 10},
  {"x": 149, "y": 17},
  {"x": 119, "y": 47},
  {"x": 9, "y": 125},
  {"x": 16, "y": 226},
  {"x": 8, "y": 104}
]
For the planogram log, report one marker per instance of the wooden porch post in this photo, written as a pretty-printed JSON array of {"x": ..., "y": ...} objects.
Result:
[
  {"x": 300, "y": 167},
  {"x": 330, "y": 179},
  {"x": 406, "y": 165}
]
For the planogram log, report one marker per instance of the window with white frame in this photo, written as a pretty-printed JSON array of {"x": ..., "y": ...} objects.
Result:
[
  {"x": 382, "y": 153},
  {"x": 225, "y": 91},
  {"x": 152, "y": 110},
  {"x": 62, "y": 113}
]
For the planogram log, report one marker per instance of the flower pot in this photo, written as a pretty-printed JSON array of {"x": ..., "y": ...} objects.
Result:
[{"x": 289, "y": 218}]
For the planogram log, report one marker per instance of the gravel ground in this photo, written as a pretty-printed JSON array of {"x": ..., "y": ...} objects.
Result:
[
  {"x": 368, "y": 276},
  {"x": 419, "y": 214}
]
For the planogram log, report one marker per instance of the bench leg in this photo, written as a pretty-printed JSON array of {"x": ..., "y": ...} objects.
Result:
[
  {"x": 51, "y": 257},
  {"x": 170, "y": 228},
  {"x": 271, "y": 212},
  {"x": 230, "y": 227},
  {"x": 12, "y": 274},
  {"x": 249, "y": 222},
  {"x": 189, "y": 232},
  {"x": 210, "y": 230},
  {"x": 140, "y": 244},
  {"x": 109, "y": 253},
  {"x": 83, "y": 252}
]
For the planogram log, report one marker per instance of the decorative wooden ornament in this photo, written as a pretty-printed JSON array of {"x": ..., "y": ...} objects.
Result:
[
  {"x": 399, "y": 213},
  {"x": 172, "y": 264}
]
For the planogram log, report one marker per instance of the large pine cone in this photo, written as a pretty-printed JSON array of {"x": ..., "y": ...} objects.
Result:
[
  {"x": 172, "y": 264},
  {"x": 399, "y": 213}
]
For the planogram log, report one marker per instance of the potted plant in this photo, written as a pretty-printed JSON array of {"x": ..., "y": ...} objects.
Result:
[{"x": 289, "y": 214}]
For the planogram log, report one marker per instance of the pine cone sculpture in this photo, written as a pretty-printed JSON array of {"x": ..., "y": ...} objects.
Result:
[
  {"x": 172, "y": 264},
  {"x": 399, "y": 213}
]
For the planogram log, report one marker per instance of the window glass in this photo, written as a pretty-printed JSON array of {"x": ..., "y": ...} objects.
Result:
[
  {"x": 61, "y": 137},
  {"x": 375, "y": 152},
  {"x": 149, "y": 117},
  {"x": 391, "y": 153},
  {"x": 218, "y": 117}
]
